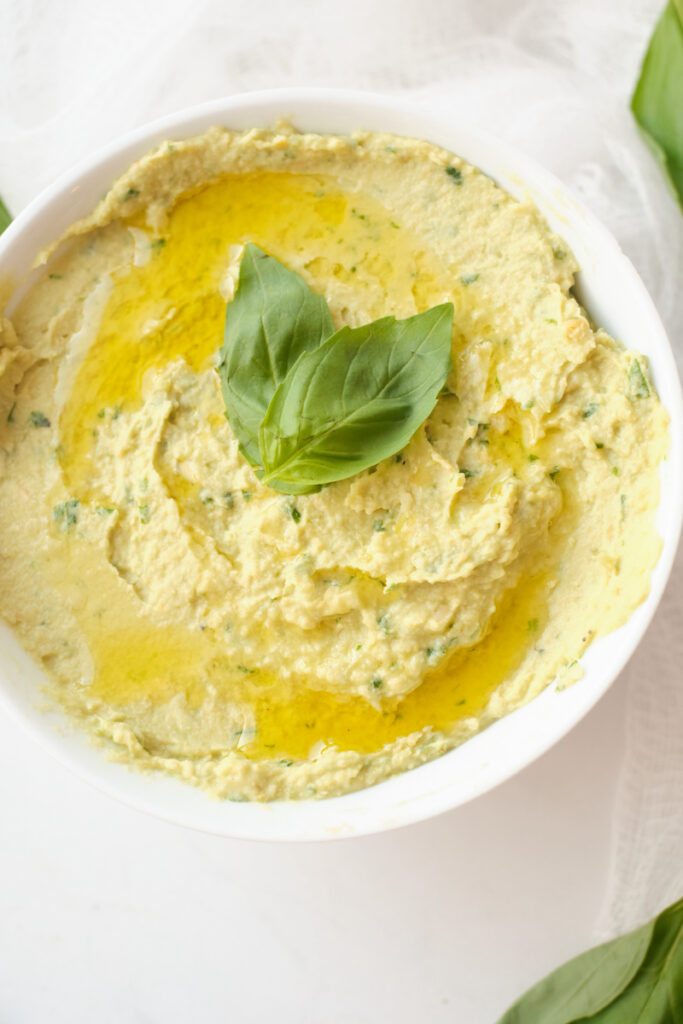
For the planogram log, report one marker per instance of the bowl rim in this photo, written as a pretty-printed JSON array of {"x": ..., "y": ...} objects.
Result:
[{"x": 353, "y": 813}]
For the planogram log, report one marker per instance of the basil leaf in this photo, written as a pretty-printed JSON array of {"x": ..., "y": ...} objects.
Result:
[
  {"x": 355, "y": 400},
  {"x": 5, "y": 217},
  {"x": 273, "y": 318},
  {"x": 657, "y": 102},
  {"x": 655, "y": 996},
  {"x": 636, "y": 978}
]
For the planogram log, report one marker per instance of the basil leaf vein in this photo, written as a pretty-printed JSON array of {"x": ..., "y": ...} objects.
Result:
[
  {"x": 273, "y": 318},
  {"x": 356, "y": 399}
]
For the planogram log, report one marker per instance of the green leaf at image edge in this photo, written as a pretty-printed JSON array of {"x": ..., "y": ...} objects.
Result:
[
  {"x": 657, "y": 102},
  {"x": 272, "y": 320},
  {"x": 355, "y": 400},
  {"x": 655, "y": 995},
  {"x": 637, "y": 978},
  {"x": 5, "y": 217}
]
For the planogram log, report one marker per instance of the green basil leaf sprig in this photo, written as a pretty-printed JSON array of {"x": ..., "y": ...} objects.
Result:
[
  {"x": 273, "y": 318},
  {"x": 657, "y": 102},
  {"x": 5, "y": 217},
  {"x": 635, "y": 979},
  {"x": 357, "y": 399},
  {"x": 309, "y": 405}
]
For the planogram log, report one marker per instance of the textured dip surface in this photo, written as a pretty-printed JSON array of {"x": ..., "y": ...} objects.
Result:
[{"x": 264, "y": 646}]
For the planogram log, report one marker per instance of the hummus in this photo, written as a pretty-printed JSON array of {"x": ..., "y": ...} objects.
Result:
[{"x": 264, "y": 646}]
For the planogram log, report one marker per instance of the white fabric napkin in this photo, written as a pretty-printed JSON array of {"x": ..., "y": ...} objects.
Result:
[{"x": 552, "y": 79}]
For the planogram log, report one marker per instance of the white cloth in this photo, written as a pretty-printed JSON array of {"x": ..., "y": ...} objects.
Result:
[{"x": 552, "y": 79}]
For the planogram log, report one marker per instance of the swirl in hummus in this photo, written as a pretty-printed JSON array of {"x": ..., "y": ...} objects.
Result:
[{"x": 263, "y": 646}]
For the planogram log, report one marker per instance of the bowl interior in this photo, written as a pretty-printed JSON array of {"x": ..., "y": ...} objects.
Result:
[{"x": 615, "y": 298}]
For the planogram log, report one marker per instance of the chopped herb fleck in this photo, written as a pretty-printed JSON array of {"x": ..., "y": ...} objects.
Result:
[
  {"x": 56, "y": 277},
  {"x": 378, "y": 526},
  {"x": 229, "y": 500},
  {"x": 467, "y": 473},
  {"x": 615, "y": 470},
  {"x": 532, "y": 625},
  {"x": 294, "y": 513},
  {"x": 158, "y": 243},
  {"x": 533, "y": 458},
  {"x": 553, "y": 472},
  {"x": 599, "y": 444},
  {"x": 559, "y": 254},
  {"x": 499, "y": 386},
  {"x": 101, "y": 414},
  {"x": 66, "y": 513},
  {"x": 246, "y": 495},
  {"x": 376, "y": 683},
  {"x": 639, "y": 387},
  {"x": 436, "y": 653},
  {"x": 550, "y": 320},
  {"x": 530, "y": 404},
  {"x": 455, "y": 174},
  {"x": 590, "y": 410},
  {"x": 243, "y": 668},
  {"x": 39, "y": 419},
  {"x": 361, "y": 216},
  {"x": 102, "y": 510},
  {"x": 131, "y": 194},
  {"x": 390, "y": 149},
  {"x": 145, "y": 513},
  {"x": 206, "y": 497},
  {"x": 383, "y": 624},
  {"x": 469, "y": 279},
  {"x": 395, "y": 225},
  {"x": 10, "y": 414}
]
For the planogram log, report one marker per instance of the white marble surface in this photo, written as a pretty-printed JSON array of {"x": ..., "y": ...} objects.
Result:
[{"x": 109, "y": 916}]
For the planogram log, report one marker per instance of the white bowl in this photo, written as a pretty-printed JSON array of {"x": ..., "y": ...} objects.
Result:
[{"x": 616, "y": 298}]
